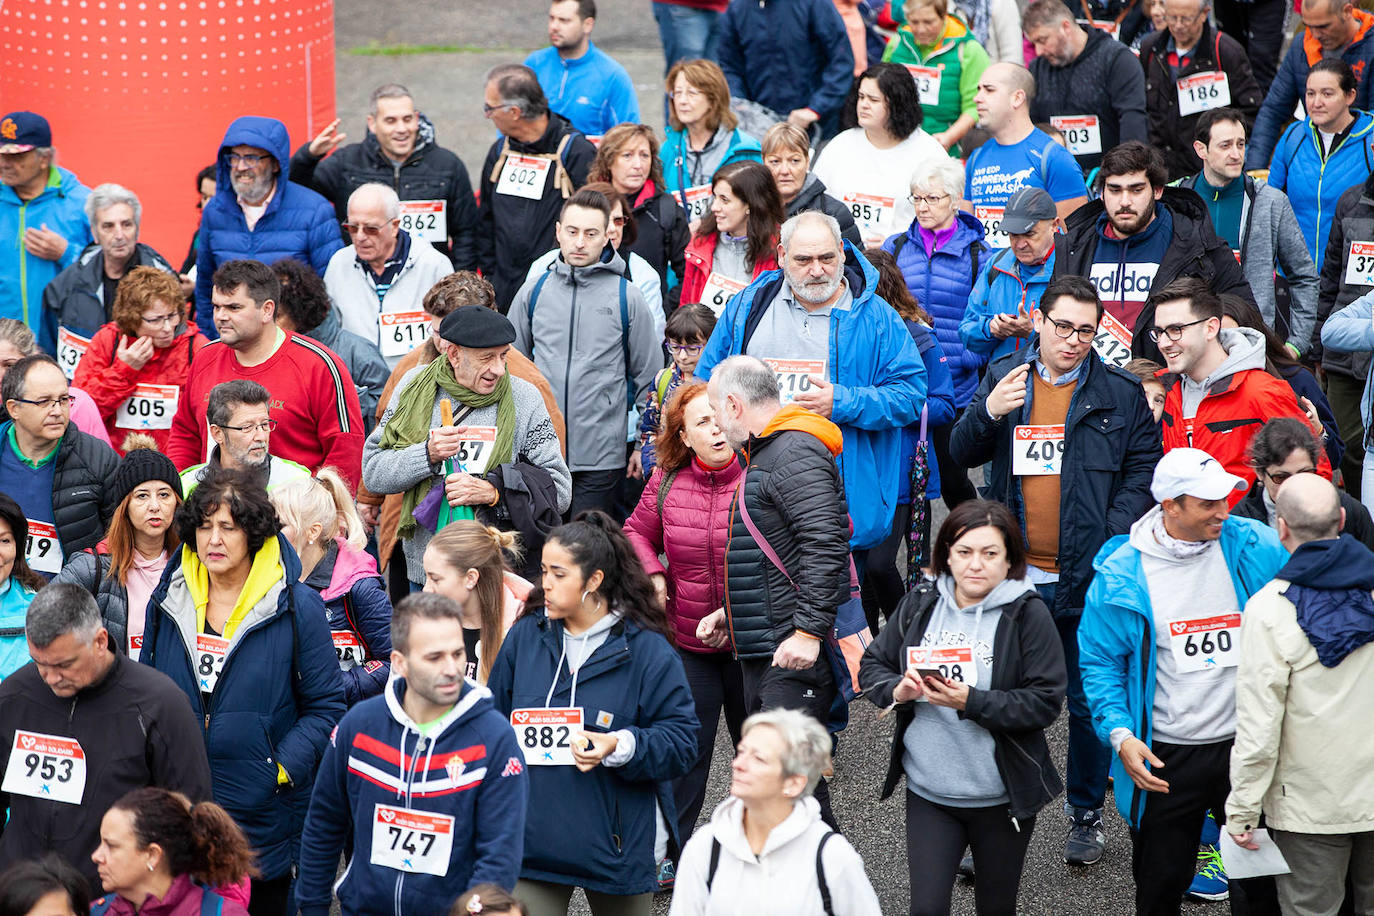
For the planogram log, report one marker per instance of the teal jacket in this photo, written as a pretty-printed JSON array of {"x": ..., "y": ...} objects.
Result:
[
  {"x": 14, "y": 607},
  {"x": 673, "y": 155},
  {"x": 1116, "y": 637}
]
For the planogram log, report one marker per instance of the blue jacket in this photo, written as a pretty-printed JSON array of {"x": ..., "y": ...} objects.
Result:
[
  {"x": 279, "y": 694},
  {"x": 1351, "y": 330},
  {"x": 940, "y": 411},
  {"x": 62, "y": 208},
  {"x": 298, "y": 223},
  {"x": 1118, "y": 626},
  {"x": 786, "y": 54},
  {"x": 592, "y": 91},
  {"x": 942, "y": 284},
  {"x": 14, "y": 606},
  {"x": 879, "y": 378},
  {"x": 634, "y": 681},
  {"x": 468, "y": 766},
  {"x": 1315, "y": 186},
  {"x": 357, "y": 605},
  {"x": 742, "y": 147},
  {"x": 1001, "y": 289}
]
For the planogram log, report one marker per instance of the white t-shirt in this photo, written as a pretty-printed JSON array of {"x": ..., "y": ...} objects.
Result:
[{"x": 852, "y": 166}]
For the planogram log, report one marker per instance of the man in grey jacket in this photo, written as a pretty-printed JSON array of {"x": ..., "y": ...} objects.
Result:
[
  {"x": 588, "y": 330},
  {"x": 1258, "y": 222}
]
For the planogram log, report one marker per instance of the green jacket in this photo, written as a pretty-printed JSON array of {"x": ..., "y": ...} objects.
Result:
[{"x": 960, "y": 59}]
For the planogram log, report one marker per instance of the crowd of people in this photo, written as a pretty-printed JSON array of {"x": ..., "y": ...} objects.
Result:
[{"x": 416, "y": 517}]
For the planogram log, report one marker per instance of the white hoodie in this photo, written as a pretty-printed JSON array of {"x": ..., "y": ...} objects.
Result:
[{"x": 782, "y": 879}]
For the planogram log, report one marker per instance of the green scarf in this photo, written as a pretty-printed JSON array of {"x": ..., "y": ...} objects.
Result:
[{"x": 411, "y": 422}]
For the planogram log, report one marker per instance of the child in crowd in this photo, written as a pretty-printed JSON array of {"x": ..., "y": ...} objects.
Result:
[
  {"x": 488, "y": 900},
  {"x": 1155, "y": 385},
  {"x": 687, "y": 330}
]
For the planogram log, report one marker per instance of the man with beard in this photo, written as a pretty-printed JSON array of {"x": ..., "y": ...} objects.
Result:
[
  {"x": 839, "y": 351},
  {"x": 583, "y": 83},
  {"x": 237, "y": 414},
  {"x": 1141, "y": 236}
]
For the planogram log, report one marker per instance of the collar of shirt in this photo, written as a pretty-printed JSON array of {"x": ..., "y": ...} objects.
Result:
[
  {"x": 14, "y": 445},
  {"x": 1066, "y": 379},
  {"x": 393, "y": 264}
]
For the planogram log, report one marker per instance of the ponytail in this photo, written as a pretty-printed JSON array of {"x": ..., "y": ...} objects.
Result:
[
  {"x": 199, "y": 840},
  {"x": 469, "y": 544},
  {"x": 223, "y": 855},
  {"x": 322, "y": 500}
]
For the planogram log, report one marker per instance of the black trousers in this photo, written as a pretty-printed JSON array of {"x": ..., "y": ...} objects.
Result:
[
  {"x": 269, "y": 897},
  {"x": 716, "y": 683},
  {"x": 936, "y": 837},
  {"x": 595, "y": 490},
  {"x": 811, "y": 690},
  {"x": 955, "y": 487}
]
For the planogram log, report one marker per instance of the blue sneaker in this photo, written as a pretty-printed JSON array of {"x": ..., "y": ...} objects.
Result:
[
  {"x": 1209, "y": 883},
  {"x": 667, "y": 875}
]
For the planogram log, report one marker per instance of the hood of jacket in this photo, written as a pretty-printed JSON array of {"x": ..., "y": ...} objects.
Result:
[
  {"x": 273, "y": 567},
  {"x": 1330, "y": 590},
  {"x": 727, "y": 825},
  {"x": 340, "y": 569},
  {"x": 1313, "y": 48},
  {"x": 264, "y": 133},
  {"x": 473, "y": 700},
  {"x": 1244, "y": 350},
  {"x": 799, "y": 419}
]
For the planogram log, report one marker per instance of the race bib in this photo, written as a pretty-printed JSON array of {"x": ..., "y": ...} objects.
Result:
[
  {"x": 1037, "y": 450},
  {"x": 426, "y": 220},
  {"x": 210, "y": 652},
  {"x": 474, "y": 450},
  {"x": 953, "y": 662},
  {"x": 348, "y": 649},
  {"x": 1108, "y": 26},
  {"x": 869, "y": 210},
  {"x": 523, "y": 176},
  {"x": 545, "y": 735},
  {"x": 135, "y": 647},
  {"x": 794, "y": 375},
  {"x": 991, "y": 218},
  {"x": 927, "y": 83},
  {"x": 1081, "y": 133},
  {"x": 70, "y": 348},
  {"x": 1113, "y": 341},
  {"x": 149, "y": 407},
  {"x": 697, "y": 200},
  {"x": 1204, "y": 643},
  {"x": 1202, "y": 92},
  {"x": 402, "y": 332},
  {"x": 719, "y": 290},
  {"x": 43, "y": 550},
  {"x": 420, "y": 842},
  {"x": 1359, "y": 266},
  {"x": 46, "y": 767}
]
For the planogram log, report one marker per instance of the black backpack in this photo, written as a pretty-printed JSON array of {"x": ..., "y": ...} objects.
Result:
[{"x": 820, "y": 870}]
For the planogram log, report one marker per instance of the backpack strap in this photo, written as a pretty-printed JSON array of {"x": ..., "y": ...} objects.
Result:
[
  {"x": 212, "y": 904},
  {"x": 664, "y": 486},
  {"x": 534, "y": 298},
  {"x": 665, "y": 378},
  {"x": 353, "y": 623},
  {"x": 820, "y": 874},
  {"x": 500, "y": 161},
  {"x": 562, "y": 180},
  {"x": 102, "y": 906},
  {"x": 897, "y": 245},
  {"x": 624, "y": 341},
  {"x": 710, "y": 868},
  {"x": 975, "y": 252}
]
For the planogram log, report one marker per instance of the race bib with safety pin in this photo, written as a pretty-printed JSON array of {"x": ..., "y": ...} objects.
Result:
[
  {"x": 794, "y": 375},
  {"x": 419, "y": 842},
  {"x": 1203, "y": 92},
  {"x": 1113, "y": 341},
  {"x": 1205, "y": 643},
  {"x": 210, "y": 652},
  {"x": 426, "y": 220},
  {"x": 1082, "y": 133},
  {"x": 545, "y": 735},
  {"x": 474, "y": 449},
  {"x": 696, "y": 199},
  {"x": 402, "y": 332},
  {"x": 1037, "y": 451},
  {"x": 719, "y": 290},
  {"x": 47, "y": 767},
  {"x": 927, "y": 83},
  {"x": 991, "y": 218},
  {"x": 43, "y": 550},
  {"x": 348, "y": 649},
  {"x": 870, "y": 211},
  {"x": 149, "y": 407},
  {"x": 953, "y": 662},
  {"x": 523, "y": 176},
  {"x": 1359, "y": 266},
  {"x": 70, "y": 348}
]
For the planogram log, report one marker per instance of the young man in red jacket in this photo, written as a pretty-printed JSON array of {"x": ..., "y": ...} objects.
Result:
[
  {"x": 1223, "y": 394},
  {"x": 314, "y": 402}
]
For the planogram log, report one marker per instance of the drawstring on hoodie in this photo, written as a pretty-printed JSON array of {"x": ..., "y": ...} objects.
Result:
[{"x": 563, "y": 656}]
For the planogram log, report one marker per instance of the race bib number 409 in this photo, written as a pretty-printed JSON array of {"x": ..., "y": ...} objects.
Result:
[{"x": 1037, "y": 450}]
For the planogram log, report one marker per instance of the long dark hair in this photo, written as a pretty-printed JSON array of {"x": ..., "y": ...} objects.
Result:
[
  {"x": 12, "y": 515},
  {"x": 753, "y": 184},
  {"x": 892, "y": 288},
  {"x": 1246, "y": 315},
  {"x": 24, "y": 883},
  {"x": 596, "y": 542},
  {"x": 904, "y": 113}
]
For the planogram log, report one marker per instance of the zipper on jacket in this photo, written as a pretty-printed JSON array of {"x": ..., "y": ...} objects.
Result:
[{"x": 567, "y": 367}]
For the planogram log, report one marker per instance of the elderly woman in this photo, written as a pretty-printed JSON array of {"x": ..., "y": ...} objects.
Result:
[
  {"x": 234, "y": 628},
  {"x": 970, "y": 729},
  {"x": 702, "y": 135},
  {"x": 787, "y": 154},
  {"x": 868, "y": 166},
  {"x": 945, "y": 59},
  {"x": 136, "y": 364},
  {"x": 766, "y": 849}
]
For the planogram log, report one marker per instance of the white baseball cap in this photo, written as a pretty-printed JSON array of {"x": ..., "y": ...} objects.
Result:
[{"x": 1192, "y": 472}]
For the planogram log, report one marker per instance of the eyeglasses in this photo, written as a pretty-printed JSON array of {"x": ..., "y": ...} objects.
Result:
[
  {"x": 930, "y": 201},
  {"x": 488, "y": 109},
  {"x": 1184, "y": 20},
  {"x": 1280, "y": 476},
  {"x": 617, "y": 220},
  {"x": 158, "y": 321},
  {"x": 263, "y": 426},
  {"x": 1063, "y": 330},
  {"x": 685, "y": 349},
  {"x": 364, "y": 229},
  {"x": 1173, "y": 331},
  {"x": 46, "y": 404},
  {"x": 252, "y": 160}
]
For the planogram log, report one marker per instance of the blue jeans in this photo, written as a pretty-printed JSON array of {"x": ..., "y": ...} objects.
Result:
[{"x": 686, "y": 33}]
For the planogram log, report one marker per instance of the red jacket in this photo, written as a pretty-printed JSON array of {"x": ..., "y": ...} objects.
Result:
[
  {"x": 692, "y": 533},
  {"x": 1230, "y": 414},
  {"x": 701, "y": 254},
  {"x": 110, "y": 381},
  {"x": 313, "y": 401}
]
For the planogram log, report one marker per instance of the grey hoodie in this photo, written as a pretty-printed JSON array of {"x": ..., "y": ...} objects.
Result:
[
  {"x": 1244, "y": 350},
  {"x": 575, "y": 338}
]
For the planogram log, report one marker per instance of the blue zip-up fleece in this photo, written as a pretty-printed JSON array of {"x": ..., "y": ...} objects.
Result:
[
  {"x": 1330, "y": 581},
  {"x": 1005, "y": 286},
  {"x": 672, "y": 155},
  {"x": 596, "y": 830},
  {"x": 279, "y": 694},
  {"x": 62, "y": 208},
  {"x": 941, "y": 283},
  {"x": 593, "y": 91},
  {"x": 939, "y": 411},
  {"x": 1116, "y": 637},
  {"x": 298, "y": 223},
  {"x": 879, "y": 378},
  {"x": 1314, "y": 185},
  {"x": 467, "y": 765}
]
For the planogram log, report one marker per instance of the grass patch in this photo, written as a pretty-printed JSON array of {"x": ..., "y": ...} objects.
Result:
[{"x": 405, "y": 50}]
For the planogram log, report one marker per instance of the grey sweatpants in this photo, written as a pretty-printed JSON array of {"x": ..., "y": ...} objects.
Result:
[{"x": 1319, "y": 864}]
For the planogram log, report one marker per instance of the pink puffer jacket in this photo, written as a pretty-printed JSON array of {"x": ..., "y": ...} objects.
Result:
[{"x": 692, "y": 534}]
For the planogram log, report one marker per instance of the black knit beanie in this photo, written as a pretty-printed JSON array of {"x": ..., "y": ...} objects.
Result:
[{"x": 140, "y": 466}]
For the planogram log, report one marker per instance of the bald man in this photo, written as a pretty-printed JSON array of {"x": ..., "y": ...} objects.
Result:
[{"x": 1016, "y": 154}]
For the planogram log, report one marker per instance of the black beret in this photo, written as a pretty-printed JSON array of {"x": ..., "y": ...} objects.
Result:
[{"x": 476, "y": 327}]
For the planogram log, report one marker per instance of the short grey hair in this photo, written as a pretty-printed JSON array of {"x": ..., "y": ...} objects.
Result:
[
  {"x": 62, "y": 607},
  {"x": 748, "y": 378},
  {"x": 806, "y": 743},
  {"x": 387, "y": 91},
  {"x": 1308, "y": 516},
  {"x": 391, "y": 203},
  {"x": 519, "y": 86},
  {"x": 105, "y": 196},
  {"x": 944, "y": 173},
  {"x": 810, "y": 216}
]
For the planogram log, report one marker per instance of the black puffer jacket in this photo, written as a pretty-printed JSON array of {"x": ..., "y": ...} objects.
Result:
[
  {"x": 430, "y": 172},
  {"x": 81, "y": 507},
  {"x": 812, "y": 196},
  {"x": 796, "y": 501},
  {"x": 75, "y": 299},
  {"x": 1352, "y": 222},
  {"x": 90, "y": 569},
  {"x": 1023, "y": 699},
  {"x": 661, "y": 236}
]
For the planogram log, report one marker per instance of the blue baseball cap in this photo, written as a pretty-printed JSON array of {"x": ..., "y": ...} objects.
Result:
[{"x": 21, "y": 131}]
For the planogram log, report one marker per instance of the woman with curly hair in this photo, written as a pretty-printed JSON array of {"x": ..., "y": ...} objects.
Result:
[{"x": 249, "y": 644}]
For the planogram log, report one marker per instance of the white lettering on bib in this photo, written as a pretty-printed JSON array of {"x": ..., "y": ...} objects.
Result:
[
  {"x": 1205, "y": 643},
  {"x": 1037, "y": 451},
  {"x": 719, "y": 290},
  {"x": 47, "y": 767},
  {"x": 524, "y": 176},
  {"x": 1359, "y": 266},
  {"x": 696, "y": 199},
  {"x": 953, "y": 662},
  {"x": 70, "y": 348},
  {"x": 149, "y": 407},
  {"x": 991, "y": 218},
  {"x": 419, "y": 842},
  {"x": 210, "y": 652},
  {"x": 1113, "y": 341},
  {"x": 474, "y": 449},
  {"x": 426, "y": 220},
  {"x": 545, "y": 735},
  {"x": 1203, "y": 92},
  {"x": 1082, "y": 133},
  {"x": 870, "y": 211},
  {"x": 794, "y": 375},
  {"x": 348, "y": 649},
  {"x": 43, "y": 550},
  {"x": 402, "y": 332},
  {"x": 927, "y": 83}
]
